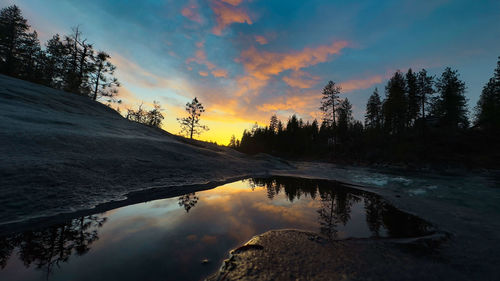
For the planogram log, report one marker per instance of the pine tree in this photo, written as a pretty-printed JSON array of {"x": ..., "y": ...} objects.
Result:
[
  {"x": 451, "y": 105},
  {"x": 13, "y": 30},
  {"x": 425, "y": 90},
  {"x": 56, "y": 62},
  {"x": 488, "y": 106},
  {"x": 191, "y": 125},
  {"x": 412, "y": 94},
  {"x": 232, "y": 142},
  {"x": 154, "y": 116},
  {"x": 373, "y": 117},
  {"x": 101, "y": 78},
  {"x": 395, "y": 106},
  {"x": 273, "y": 124},
  {"x": 79, "y": 65},
  {"x": 329, "y": 102},
  {"x": 345, "y": 118},
  {"x": 31, "y": 58}
]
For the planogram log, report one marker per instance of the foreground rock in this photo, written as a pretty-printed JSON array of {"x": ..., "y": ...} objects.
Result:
[
  {"x": 298, "y": 255},
  {"x": 61, "y": 152}
]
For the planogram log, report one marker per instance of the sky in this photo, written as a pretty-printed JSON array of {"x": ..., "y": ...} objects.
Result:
[{"x": 246, "y": 60}]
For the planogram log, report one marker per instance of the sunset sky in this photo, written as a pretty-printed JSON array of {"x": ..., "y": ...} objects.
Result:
[{"x": 248, "y": 59}]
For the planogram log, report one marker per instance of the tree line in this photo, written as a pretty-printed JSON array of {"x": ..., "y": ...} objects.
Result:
[
  {"x": 70, "y": 63},
  {"x": 422, "y": 118}
]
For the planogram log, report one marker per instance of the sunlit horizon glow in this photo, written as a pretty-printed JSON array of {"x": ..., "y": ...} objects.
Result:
[{"x": 248, "y": 59}]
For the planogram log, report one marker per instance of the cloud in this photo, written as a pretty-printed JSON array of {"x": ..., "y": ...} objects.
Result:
[
  {"x": 263, "y": 64},
  {"x": 260, "y": 66},
  {"x": 249, "y": 85},
  {"x": 191, "y": 12},
  {"x": 301, "y": 79},
  {"x": 201, "y": 59},
  {"x": 220, "y": 73},
  {"x": 261, "y": 39},
  {"x": 298, "y": 102},
  {"x": 200, "y": 44},
  {"x": 133, "y": 73},
  {"x": 226, "y": 15},
  {"x": 358, "y": 84},
  {"x": 233, "y": 2}
]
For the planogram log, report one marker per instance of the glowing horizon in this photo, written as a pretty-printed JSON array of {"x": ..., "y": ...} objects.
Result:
[{"x": 246, "y": 60}]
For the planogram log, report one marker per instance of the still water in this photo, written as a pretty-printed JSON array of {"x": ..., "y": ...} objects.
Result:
[{"x": 187, "y": 237}]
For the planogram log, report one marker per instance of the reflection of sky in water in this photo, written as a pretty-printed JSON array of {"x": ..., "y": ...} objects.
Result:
[{"x": 160, "y": 240}]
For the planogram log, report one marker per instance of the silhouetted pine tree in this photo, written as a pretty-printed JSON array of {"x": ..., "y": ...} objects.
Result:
[
  {"x": 56, "y": 62},
  {"x": 101, "y": 77},
  {"x": 79, "y": 64},
  {"x": 488, "y": 106},
  {"x": 31, "y": 58},
  {"x": 395, "y": 105},
  {"x": 154, "y": 116},
  {"x": 329, "y": 102},
  {"x": 344, "y": 113},
  {"x": 190, "y": 125},
  {"x": 425, "y": 90},
  {"x": 373, "y": 116},
  {"x": 273, "y": 123},
  {"x": 232, "y": 142},
  {"x": 13, "y": 31},
  {"x": 451, "y": 105},
  {"x": 412, "y": 94}
]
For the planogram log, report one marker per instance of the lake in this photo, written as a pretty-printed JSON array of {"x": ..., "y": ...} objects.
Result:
[{"x": 187, "y": 237}]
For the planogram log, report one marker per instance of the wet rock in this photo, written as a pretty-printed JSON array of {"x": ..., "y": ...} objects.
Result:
[
  {"x": 298, "y": 255},
  {"x": 247, "y": 247}
]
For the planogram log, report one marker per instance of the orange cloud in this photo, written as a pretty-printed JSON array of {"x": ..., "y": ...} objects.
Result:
[
  {"x": 227, "y": 14},
  {"x": 263, "y": 64},
  {"x": 358, "y": 84},
  {"x": 219, "y": 73},
  {"x": 298, "y": 103},
  {"x": 233, "y": 2},
  {"x": 249, "y": 84},
  {"x": 190, "y": 11},
  {"x": 200, "y": 58},
  {"x": 135, "y": 74},
  {"x": 200, "y": 44},
  {"x": 261, "y": 39},
  {"x": 300, "y": 79}
]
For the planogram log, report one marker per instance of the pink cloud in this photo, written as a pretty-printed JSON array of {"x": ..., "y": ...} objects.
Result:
[
  {"x": 263, "y": 64},
  {"x": 261, "y": 39},
  {"x": 301, "y": 79},
  {"x": 200, "y": 58},
  {"x": 226, "y": 15},
  {"x": 358, "y": 84},
  {"x": 233, "y": 2},
  {"x": 191, "y": 12},
  {"x": 220, "y": 73}
]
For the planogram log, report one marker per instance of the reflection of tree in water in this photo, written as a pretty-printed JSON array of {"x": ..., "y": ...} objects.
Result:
[
  {"x": 336, "y": 204},
  {"x": 53, "y": 245},
  {"x": 336, "y": 201},
  {"x": 374, "y": 208},
  {"x": 382, "y": 215},
  {"x": 188, "y": 201}
]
